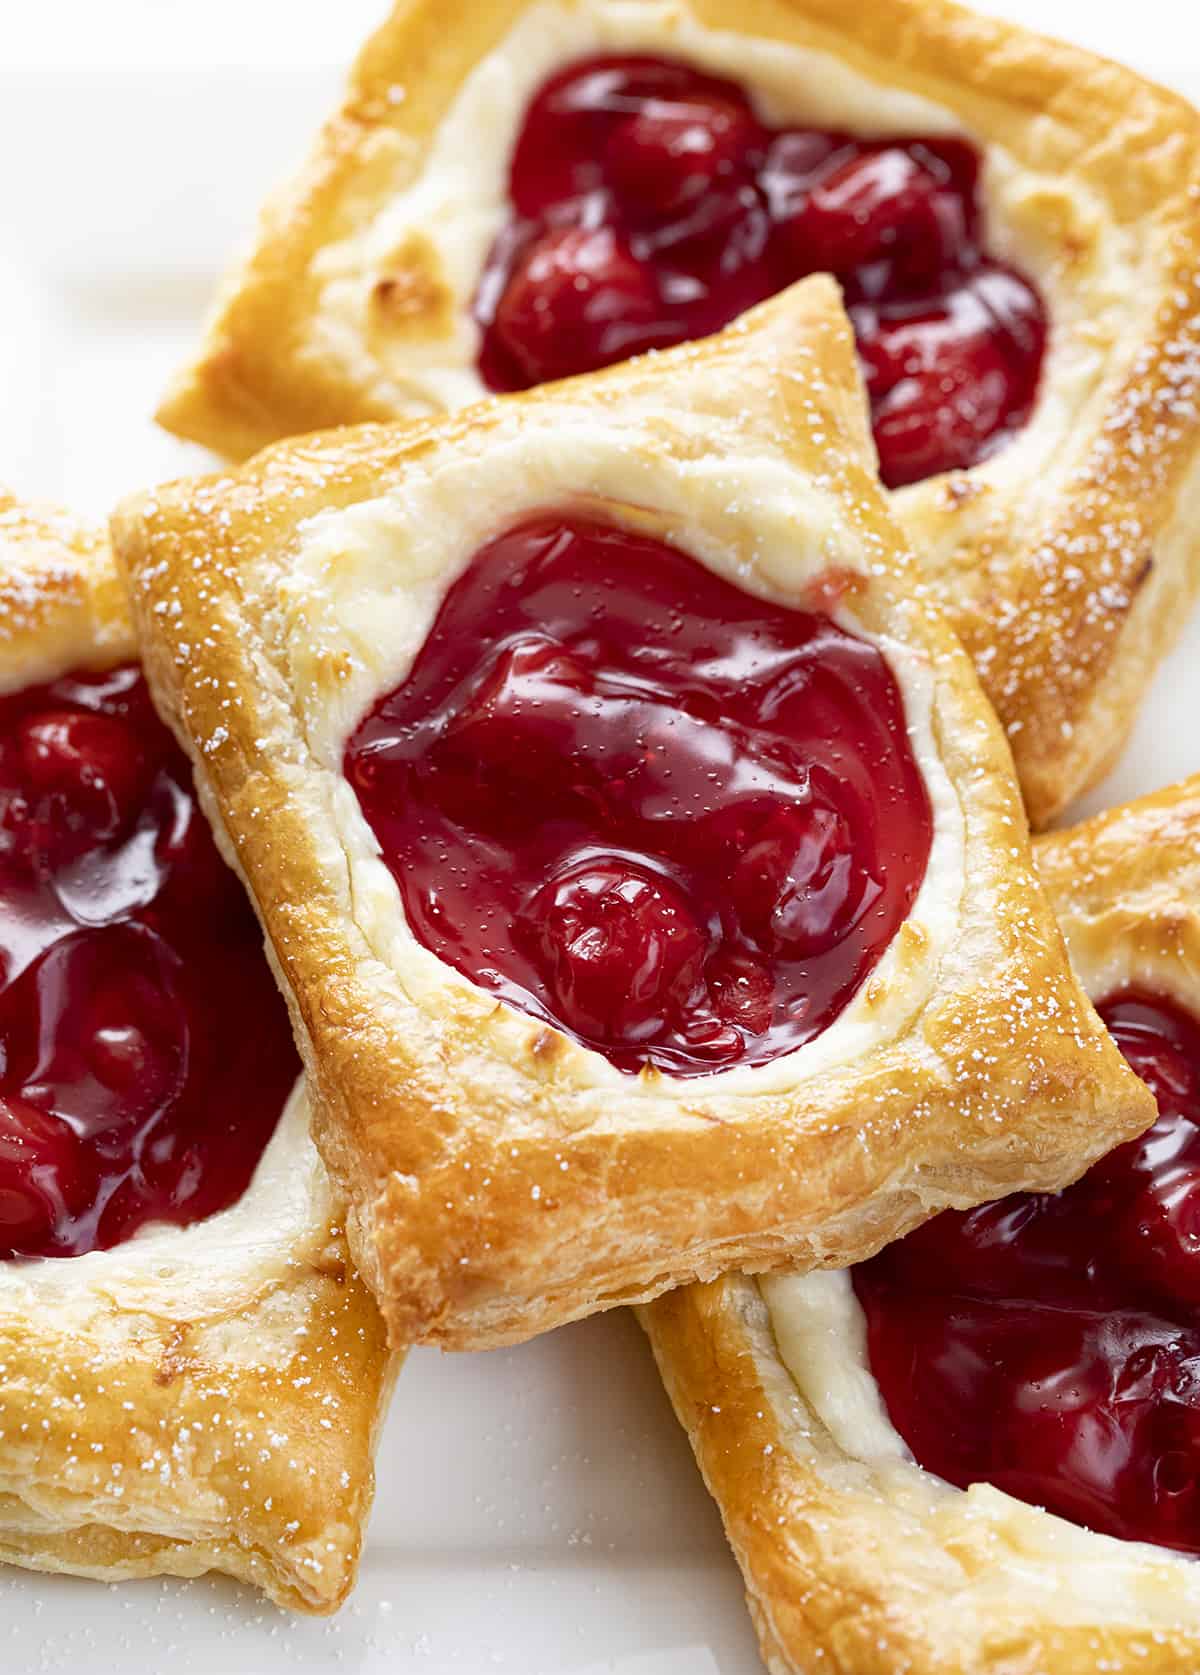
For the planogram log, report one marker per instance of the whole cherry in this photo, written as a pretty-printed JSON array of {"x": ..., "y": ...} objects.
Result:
[
  {"x": 507, "y": 737},
  {"x": 800, "y": 883},
  {"x": 939, "y": 391},
  {"x": 45, "y": 1175},
  {"x": 620, "y": 946},
  {"x": 880, "y": 205},
  {"x": 84, "y": 776},
  {"x": 1159, "y": 1232},
  {"x": 574, "y": 286},
  {"x": 672, "y": 152}
]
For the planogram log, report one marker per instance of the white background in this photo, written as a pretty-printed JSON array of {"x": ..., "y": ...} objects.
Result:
[{"x": 537, "y": 1509}]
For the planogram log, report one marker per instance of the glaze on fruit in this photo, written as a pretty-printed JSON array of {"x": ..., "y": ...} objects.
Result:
[
  {"x": 145, "y": 1053},
  {"x": 676, "y": 820},
  {"x": 649, "y": 205},
  {"x": 1050, "y": 1343}
]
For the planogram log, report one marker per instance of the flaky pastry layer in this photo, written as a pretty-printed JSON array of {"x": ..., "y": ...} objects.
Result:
[
  {"x": 503, "y": 1178},
  {"x": 199, "y": 1398},
  {"x": 855, "y": 1559},
  {"x": 1066, "y": 561}
]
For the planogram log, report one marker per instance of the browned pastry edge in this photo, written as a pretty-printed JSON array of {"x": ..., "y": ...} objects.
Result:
[
  {"x": 232, "y": 1426},
  {"x": 841, "y": 1573},
  {"x": 1066, "y": 609},
  {"x": 240, "y": 1440},
  {"x": 490, "y": 1206}
]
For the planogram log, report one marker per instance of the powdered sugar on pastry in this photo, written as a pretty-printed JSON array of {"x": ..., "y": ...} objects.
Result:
[{"x": 367, "y": 581}]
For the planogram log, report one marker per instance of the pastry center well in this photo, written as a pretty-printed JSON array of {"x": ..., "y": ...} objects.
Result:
[{"x": 677, "y": 821}]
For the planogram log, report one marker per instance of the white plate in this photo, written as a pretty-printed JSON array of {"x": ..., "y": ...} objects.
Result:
[{"x": 538, "y": 1509}]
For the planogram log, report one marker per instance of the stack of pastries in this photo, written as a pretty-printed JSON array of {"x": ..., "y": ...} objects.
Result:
[{"x": 745, "y": 469}]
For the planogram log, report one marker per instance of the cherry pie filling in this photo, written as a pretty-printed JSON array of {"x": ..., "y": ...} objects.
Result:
[
  {"x": 650, "y": 205},
  {"x": 1049, "y": 1344},
  {"x": 676, "y": 821},
  {"x": 145, "y": 1052}
]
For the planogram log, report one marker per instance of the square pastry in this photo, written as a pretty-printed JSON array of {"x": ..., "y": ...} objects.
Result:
[
  {"x": 533, "y": 188},
  {"x": 977, "y": 1452},
  {"x": 191, "y": 1375},
  {"x": 639, "y": 854}
]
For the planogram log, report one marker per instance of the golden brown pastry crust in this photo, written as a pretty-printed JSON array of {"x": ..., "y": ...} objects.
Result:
[
  {"x": 500, "y": 1185},
  {"x": 62, "y": 604},
  {"x": 1066, "y": 574},
  {"x": 226, "y": 1422},
  {"x": 871, "y": 1567}
]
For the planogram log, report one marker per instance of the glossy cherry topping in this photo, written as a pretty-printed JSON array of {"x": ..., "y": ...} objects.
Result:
[
  {"x": 650, "y": 205},
  {"x": 677, "y": 821},
  {"x": 1050, "y": 1343},
  {"x": 145, "y": 1053}
]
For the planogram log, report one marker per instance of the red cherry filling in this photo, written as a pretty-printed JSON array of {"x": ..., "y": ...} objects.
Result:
[
  {"x": 677, "y": 821},
  {"x": 651, "y": 205},
  {"x": 797, "y": 885},
  {"x": 620, "y": 948},
  {"x": 145, "y": 1053},
  {"x": 1050, "y": 1344},
  {"x": 672, "y": 152},
  {"x": 80, "y": 782},
  {"x": 46, "y": 1177},
  {"x": 942, "y": 377},
  {"x": 575, "y": 283}
]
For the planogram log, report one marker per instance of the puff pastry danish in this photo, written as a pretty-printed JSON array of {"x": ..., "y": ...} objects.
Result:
[
  {"x": 854, "y": 1557},
  {"x": 535, "y": 187},
  {"x": 641, "y": 859},
  {"x": 185, "y": 1394}
]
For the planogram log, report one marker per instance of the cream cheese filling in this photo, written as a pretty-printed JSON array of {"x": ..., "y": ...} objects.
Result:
[
  {"x": 820, "y": 1339},
  {"x": 360, "y": 592}
]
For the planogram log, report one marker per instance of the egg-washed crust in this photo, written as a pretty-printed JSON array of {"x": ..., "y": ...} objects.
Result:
[
  {"x": 230, "y": 1427},
  {"x": 1066, "y": 581},
  {"x": 493, "y": 1195},
  {"x": 62, "y": 603},
  {"x": 846, "y": 1569}
]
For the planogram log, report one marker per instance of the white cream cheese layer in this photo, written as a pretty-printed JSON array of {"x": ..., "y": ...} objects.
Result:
[
  {"x": 179, "y": 1272},
  {"x": 361, "y": 591},
  {"x": 820, "y": 1346},
  {"x": 822, "y": 1336}
]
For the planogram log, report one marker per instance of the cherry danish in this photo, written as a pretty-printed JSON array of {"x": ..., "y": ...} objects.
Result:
[
  {"x": 145, "y": 1053},
  {"x": 679, "y": 822},
  {"x": 649, "y": 204},
  {"x": 1050, "y": 1344}
]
